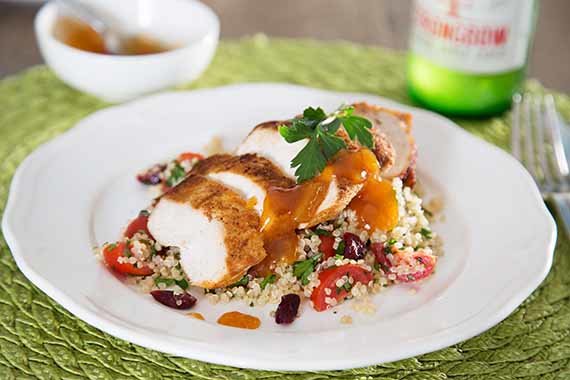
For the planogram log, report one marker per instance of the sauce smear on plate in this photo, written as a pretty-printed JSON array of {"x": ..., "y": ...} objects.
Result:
[
  {"x": 196, "y": 315},
  {"x": 239, "y": 320}
]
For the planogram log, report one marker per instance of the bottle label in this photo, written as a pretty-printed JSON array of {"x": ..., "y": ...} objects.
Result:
[{"x": 476, "y": 36}]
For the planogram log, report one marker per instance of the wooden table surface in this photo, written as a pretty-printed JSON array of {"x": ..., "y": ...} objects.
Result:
[{"x": 377, "y": 22}]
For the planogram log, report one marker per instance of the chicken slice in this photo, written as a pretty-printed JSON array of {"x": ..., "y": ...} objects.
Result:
[
  {"x": 215, "y": 230},
  {"x": 395, "y": 127},
  {"x": 339, "y": 195},
  {"x": 249, "y": 174},
  {"x": 265, "y": 141}
]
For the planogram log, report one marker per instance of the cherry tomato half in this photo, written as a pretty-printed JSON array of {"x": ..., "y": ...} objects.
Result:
[
  {"x": 326, "y": 246},
  {"x": 140, "y": 223},
  {"x": 112, "y": 252},
  {"x": 189, "y": 156},
  {"x": 328, "y": 279},
  {"x": 428, "y": 262}
]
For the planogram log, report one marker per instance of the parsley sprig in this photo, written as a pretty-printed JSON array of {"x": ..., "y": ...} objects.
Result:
[
  {"x": 176, "y": 175},
  {"x": 303, "y": 269},
  {"x": 324, "y": 143}
]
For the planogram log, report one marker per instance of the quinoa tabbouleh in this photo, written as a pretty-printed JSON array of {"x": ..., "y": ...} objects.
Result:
[{"x": 378, "y": 237}]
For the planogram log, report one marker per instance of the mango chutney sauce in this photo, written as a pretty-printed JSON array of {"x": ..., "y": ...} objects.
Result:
[
  {"x": 75, "y": 33},
  {"x": 285, "y": 209},
  {"x": 239, "y": 320}
]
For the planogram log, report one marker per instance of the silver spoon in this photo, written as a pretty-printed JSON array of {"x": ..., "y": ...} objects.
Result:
[{"x": 103, "y": 24}]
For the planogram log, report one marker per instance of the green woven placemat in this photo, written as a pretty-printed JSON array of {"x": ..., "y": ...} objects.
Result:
[{"x": 40, "y": 340}]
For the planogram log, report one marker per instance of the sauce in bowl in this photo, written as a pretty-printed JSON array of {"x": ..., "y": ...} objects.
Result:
[{"x": 75, "y": 33}]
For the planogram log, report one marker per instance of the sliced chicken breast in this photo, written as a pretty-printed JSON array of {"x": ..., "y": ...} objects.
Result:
[
  {"x": 250, "y": 175},
  {"x": 396, "y": 127},
  {"x": 265, "y": 141},
  {"x": 339, "y": 195},
  {"x": 217, "y": 233}
]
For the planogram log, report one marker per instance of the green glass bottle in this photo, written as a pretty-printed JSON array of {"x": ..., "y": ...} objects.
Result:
[{"x": 468, "y": 57}]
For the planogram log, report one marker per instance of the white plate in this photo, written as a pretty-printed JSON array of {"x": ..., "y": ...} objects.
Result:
[{"x": 79, "y": 190}]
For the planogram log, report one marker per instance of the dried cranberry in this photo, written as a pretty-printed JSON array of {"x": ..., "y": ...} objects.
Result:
[
  {"x": 379, "y": 251},
  {"x": 180, "y": 301},
  {"x": 287, "y": 309},
  {"x": 152, "y": 175},
  {"x": 354, "y": 248}
]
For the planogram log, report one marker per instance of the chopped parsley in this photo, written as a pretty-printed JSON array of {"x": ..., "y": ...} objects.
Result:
[
  {"x": 339, "y": 251},
  {"x": 183, "y": 284},
  {"x": 391, "y": 242},
  {"x": 324, "y": 143},
  {"x": 321, "y": 232},
  {"x": 303, "y": 269},
  {"x": 242, "y": 282},
  {"x": 176, "y": 174},
  {"x": 346, "y": 286},
  {"x": 338, "y": 257},
  {"x": 426, "y": 233},
  {"x": 111, "y": 246},
  {"x": 127, "y": 250},
  {"x": 270, "y": 279}
]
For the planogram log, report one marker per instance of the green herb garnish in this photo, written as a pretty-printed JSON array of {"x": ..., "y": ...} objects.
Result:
[
  {"x": 176, "y": 175},
  {"x": 110, "y": 246},
  {"x": 321, "y": 232},
  {"x": 391, "y": 242},
  {"x": 242, "y": 282},
  {"x": 346, "y": 286},
  {"x": 339, "y": 251},
  {"x": 183, "y": 284},
  {"x": 127, "y": 250},
  {"x": 165, "y": 281},
  {"x": 338, "y": 257},
  {"x": 321, "y": 130},
  {"x": 270, "y": 279},
  {"x": 426, "y": 233},
  {"x": 303, "y": 269}
]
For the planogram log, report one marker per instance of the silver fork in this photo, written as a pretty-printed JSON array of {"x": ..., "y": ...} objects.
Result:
[{"x": 536, "y": 141}]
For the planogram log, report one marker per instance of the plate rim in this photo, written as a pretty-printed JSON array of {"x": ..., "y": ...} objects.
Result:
[{"x": 149, "y": 339}]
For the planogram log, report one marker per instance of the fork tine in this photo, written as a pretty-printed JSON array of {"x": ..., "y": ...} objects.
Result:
[
  {"x": 554, "y": 128},
  {"x": 540, "y": 144},
  {"x": 515, "y": 127},
  {"x": 529, "y": 137}
]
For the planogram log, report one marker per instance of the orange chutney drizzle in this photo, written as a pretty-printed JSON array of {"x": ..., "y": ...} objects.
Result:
[
  {"x": 285, "y": 209},
  {"x": 196, "y": 315},
  {"x": 376, "y": 206},
  {"x": 239, "y": 320}
]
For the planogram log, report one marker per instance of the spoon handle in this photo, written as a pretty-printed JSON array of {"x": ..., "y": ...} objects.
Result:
[
  {"x": 103, "y": 23},
  {"x": 84, "y": 12}
]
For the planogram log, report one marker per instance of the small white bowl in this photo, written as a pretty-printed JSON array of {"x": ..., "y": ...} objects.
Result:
[{"x": 188, "y": 24}]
